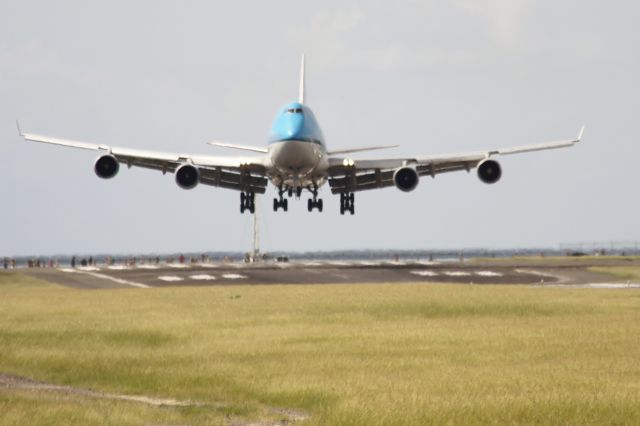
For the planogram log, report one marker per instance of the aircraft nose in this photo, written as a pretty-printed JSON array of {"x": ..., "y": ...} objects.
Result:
[{"x": 296, "y": 126}]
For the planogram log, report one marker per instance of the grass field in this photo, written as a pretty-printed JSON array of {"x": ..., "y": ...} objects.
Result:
[
  {"x": 345, "y": 354},
  {"x": 629, "y": 273}
]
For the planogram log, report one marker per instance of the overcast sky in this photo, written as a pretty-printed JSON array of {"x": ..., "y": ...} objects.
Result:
[{"x": 433, "y": 76}]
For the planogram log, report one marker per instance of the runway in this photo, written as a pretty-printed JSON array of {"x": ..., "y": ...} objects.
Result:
[{"x": 314, "y": 273}]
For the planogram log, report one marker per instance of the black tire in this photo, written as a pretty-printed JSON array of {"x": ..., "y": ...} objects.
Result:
[
  {"x": 320, "y": 205},
  {"x": 285, "y": 205},
  {"x": 275, "y": 204}
]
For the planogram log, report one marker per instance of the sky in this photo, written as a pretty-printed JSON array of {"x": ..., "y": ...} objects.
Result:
[{"x": 433, "y": 76}]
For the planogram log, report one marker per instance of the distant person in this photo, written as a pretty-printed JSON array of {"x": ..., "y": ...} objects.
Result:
[
  {"x": 6, "y": 263},
  {"x": 73, "y": 262}
]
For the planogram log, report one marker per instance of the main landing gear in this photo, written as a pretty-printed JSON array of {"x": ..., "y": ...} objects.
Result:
[
  {"x": 315, "y": 202},
  {"x": 281, "y": 201},
  {"x": 248, "y": 202},
  {"x": 347, "y": 203}
]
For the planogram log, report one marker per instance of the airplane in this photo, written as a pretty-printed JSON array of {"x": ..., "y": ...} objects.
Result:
[{"x": 296, "y": 158}]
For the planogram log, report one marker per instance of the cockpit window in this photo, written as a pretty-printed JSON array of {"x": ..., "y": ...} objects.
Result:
[{"x": 294, "y": 110}]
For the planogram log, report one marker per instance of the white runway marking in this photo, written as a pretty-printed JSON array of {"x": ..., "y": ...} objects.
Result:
[
  {"x": 489, "y": 274},
  {"x": 598, "y": 285},
  {"x": 170, "y": 278},
  {"x": 395, "y": 263},
  {"x": 427, "y": 262},
  {"x": 147, "y": 266},
  {"x": 425, "y": 273},
  {"x": 457, "y": 273},
  {"x": 88, "y": 268},
  {"x": 117, "y": 280},
  {"x": 203, "y": 277},
  {"x": 234, "y": 276},
  {"x": 561, "y": 279}
]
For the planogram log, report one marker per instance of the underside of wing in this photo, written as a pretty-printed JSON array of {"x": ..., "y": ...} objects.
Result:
[
  {"x": 350, "y": 175},
  {"x": 238, "y": 173}
]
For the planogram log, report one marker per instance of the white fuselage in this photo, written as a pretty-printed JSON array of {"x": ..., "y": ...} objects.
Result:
[{"x": 297, "y": 164}]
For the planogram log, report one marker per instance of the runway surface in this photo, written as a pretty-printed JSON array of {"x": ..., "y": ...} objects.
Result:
[{"x": 353, "y": 272}]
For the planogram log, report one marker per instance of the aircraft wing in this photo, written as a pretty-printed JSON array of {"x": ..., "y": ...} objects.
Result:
[
  {"x": 350, "y": 175},
  {"x": 239, "y": 173}
]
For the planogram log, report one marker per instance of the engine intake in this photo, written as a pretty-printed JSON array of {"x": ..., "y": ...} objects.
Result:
[
  {"x": 187, "y": 176},
  {"x": 489, "y": 171},
  {"x": 106, "y": 166},
  {"x": 406, "y": 179}
]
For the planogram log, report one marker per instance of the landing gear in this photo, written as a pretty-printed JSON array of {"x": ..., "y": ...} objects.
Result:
[
  {"x": 314, "y": 202},
  {"x": 280, "y": 201},
  {"x": 347, "y": 203},
  {"x": 284, "y": 203},
  {"x": 248, "y": 202},
  {"x": 290, "y": 191}
]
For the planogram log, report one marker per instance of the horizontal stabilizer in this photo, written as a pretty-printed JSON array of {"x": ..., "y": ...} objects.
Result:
[
  {"x": 363, "y": 149},
  {"x": 260, "y": 149}
]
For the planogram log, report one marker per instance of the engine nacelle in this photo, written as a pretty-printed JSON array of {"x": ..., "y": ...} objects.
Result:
[
  {"x": 187, "y": 176},
  {"x": 489, "y": 171},
  {"x": 106, "y": 166},
  {"x": 406, "y": 179}
]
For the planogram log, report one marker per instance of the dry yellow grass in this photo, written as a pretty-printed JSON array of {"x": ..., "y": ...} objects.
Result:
[{"x": 345, "y": 354}]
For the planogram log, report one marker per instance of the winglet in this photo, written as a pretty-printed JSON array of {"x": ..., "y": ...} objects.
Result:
[
  {"x": 19, "y": 129},
  {"x": 301, "y": 89},
  {"x": 580, "y": 134}
]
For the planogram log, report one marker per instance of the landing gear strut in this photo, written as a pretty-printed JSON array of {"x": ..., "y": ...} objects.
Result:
[
  {"x": 248, "y": 202},
  {"x": 280, "y": 201},
  {"x": 315, "y": 202},
  {"x": 347, "y": 202}
]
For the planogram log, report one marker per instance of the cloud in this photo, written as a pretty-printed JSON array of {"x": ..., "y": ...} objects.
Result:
[
  {"x": 327, "y": 36},
  {"x": 505, "y": 19}
]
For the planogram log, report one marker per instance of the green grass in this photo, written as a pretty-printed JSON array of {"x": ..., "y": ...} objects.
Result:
[
  {"x": 623, "y": 273},
  {"x": 345, "y": 354}
]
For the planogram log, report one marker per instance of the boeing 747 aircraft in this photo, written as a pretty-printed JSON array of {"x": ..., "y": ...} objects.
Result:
[{"x": 295, "y": 159}]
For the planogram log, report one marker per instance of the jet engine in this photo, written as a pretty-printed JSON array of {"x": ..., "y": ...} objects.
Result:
[
  {"x": 106, "y": 166},
  {"x": 187, "y": 176},
  {"x": 406, "y": 179},
  {"x": 489, "y": 171}
]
